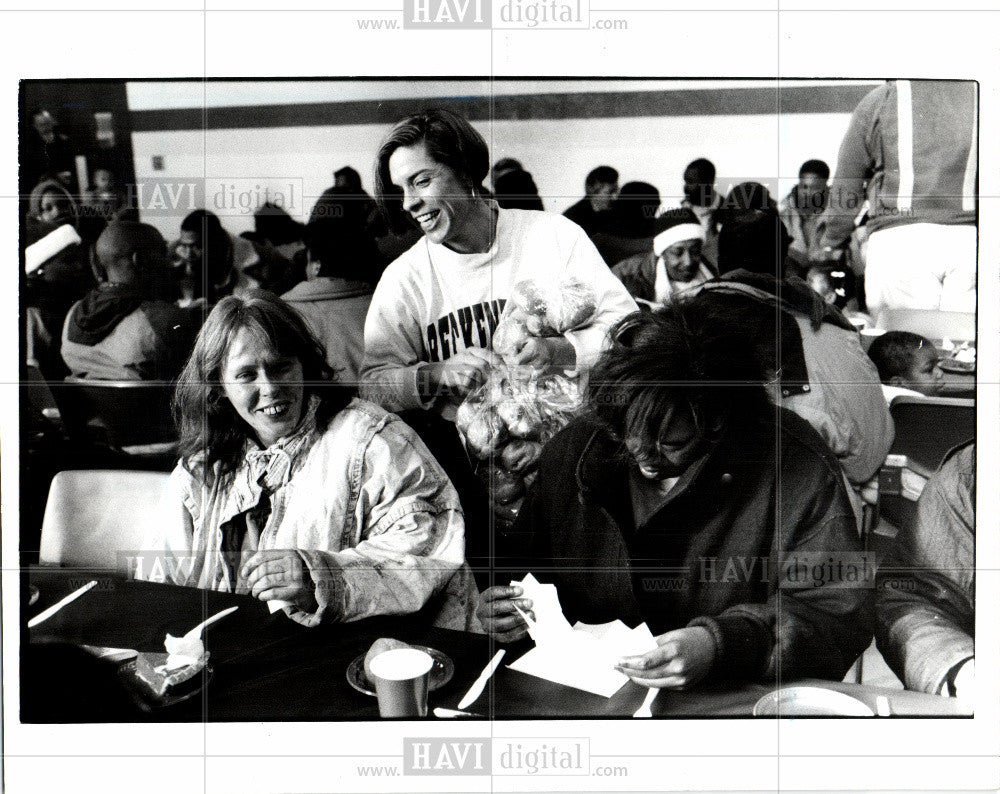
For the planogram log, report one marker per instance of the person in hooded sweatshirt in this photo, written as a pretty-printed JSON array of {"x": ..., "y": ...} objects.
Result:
[
  {"x": 123, "y": 329},
  {"x": 57, "y": 272}
]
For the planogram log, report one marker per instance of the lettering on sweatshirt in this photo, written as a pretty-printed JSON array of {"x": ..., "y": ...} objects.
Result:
[{"x": 470, "y": 326}]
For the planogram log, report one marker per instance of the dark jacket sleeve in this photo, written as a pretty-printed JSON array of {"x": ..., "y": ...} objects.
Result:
[
  {"x": 529, "y": 546},
  {"x": 818, "y": 616},
  {"x": 925, "y": 619}
]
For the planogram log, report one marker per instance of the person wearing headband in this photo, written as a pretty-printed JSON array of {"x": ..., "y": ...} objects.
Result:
[{"x": 674, "y": 267}]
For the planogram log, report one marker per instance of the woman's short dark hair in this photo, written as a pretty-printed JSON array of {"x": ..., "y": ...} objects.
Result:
[
  {"x": 681, "y": 354},
  {"x": 210, "y": 429},
  {"x": 342, "y": 247},
  {"x": 451, "y": 140},
  {"x": 216, "y": 246},
  {"x": 754, "y": 240}
]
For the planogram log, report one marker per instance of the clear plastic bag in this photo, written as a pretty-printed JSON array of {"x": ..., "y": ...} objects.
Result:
[
  {"x": 553, "y": 310},
  {"x": 508, "y": 419},
  {"x": 506, "y": 422}
]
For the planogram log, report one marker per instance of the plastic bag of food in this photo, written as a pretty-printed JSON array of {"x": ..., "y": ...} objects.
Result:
[
  {"x": 520, "y": 416},
  {"x": 552, "y": 311},
  {"x": 578, "y": 305},
  {"x": 531, "y": 298},
  {"x": 511, "y": 335},
  {"x": 485, "y": 433},
  {"x": 504, "y": 486},
  {"x": 558, "y": 398}
]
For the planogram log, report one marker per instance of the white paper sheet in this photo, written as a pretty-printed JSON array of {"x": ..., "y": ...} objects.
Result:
[
  {"x": 275, "y": 604},
  {"x": 581, "y": 656}
]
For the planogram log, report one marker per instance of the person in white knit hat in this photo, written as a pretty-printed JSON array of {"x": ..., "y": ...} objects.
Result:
[{"x": 674, "y": 267}]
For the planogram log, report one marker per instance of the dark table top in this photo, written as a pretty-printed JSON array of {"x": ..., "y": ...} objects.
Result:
[{"x": 269, "y": 668}]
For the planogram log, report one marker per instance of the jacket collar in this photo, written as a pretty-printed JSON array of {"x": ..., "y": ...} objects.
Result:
[
  {"x": 602, "y": 469},
  {"x": 327, "y": 288},
  {"x": 271, "y": 468},
  {"x": 791, "y": 294}
]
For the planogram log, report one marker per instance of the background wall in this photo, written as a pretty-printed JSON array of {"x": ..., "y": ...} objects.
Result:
[{"x": 288, "y": 137}]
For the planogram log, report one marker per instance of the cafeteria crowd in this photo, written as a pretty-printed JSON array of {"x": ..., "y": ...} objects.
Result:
[{"x": 412, "y": 400}]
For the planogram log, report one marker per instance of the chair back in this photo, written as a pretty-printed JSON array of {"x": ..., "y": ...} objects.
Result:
[
  {"x": 91, "y": 516},
  {"x": 123, "y": 413},
  {"x": 928, "y": 427}
]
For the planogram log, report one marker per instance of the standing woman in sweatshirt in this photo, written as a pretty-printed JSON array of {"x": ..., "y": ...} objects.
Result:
[{"x": 429, "y": 332}]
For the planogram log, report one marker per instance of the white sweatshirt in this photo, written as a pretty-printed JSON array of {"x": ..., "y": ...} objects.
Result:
[{"x": 433, "y": 302}]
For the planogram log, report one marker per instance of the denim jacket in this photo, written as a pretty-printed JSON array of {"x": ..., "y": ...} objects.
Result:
[
  {"x": 371, "y": 513},
  {"x": 925, "y": 619}
]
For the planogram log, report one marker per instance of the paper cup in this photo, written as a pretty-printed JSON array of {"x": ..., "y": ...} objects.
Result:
[
  {"x": 401, "y": 677},
  {"x": 869, "y": 335}
]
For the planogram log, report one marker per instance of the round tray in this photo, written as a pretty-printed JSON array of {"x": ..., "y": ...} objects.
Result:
[
  {"x": 441, "y": 672},
  {"x": 810, "y": 701}
]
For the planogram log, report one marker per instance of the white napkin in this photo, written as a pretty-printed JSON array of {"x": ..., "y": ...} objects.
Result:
[
  {"x": 582, "y": 656},
  {"x": 182, "y": 651}
]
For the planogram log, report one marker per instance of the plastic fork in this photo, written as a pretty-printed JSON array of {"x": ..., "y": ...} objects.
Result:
[
  {"x": 189, "y": 648},
  {"x": 644, "y": 710},
  {"x": 196, "y": 631}
]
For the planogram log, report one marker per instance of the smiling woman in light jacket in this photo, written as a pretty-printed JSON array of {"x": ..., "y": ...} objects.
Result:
[{"x": 289, "y": 493}]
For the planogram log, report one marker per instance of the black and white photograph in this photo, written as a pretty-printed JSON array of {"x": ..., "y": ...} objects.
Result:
[{"x": 396, "y": 409}]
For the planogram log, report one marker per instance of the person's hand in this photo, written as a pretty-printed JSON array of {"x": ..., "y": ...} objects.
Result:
[
  {"x": 463, "y": 372},
  {"x": 497, "y": 614},
  {"x": 539, "y": 353},
  {"x": 280, "y": 574},
  {"x": 682, "y": 659}
]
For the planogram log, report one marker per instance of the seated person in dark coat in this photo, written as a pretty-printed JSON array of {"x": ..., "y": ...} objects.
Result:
[
  {"x": 687, "y": 500},
  {"x": 673, "y": 267},
  {"x": 630, "y": 226},
  {"x": 124, "y": 329},
  {"x": 593, "y": 211}
]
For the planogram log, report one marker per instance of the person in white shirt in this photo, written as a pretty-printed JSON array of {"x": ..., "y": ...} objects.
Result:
[{"x": 429, "y": 330}]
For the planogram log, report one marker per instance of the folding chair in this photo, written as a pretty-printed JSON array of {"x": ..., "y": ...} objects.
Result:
[{"x": 94, "y": 519}]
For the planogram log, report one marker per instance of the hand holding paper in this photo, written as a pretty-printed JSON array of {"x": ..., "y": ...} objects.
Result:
[
  {"x": 549, "y": 622},
  {"x": 681, "y": 658},
  {"x": 502, "y": 612},
  {"x": 579, "y": 656}
]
